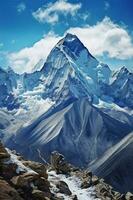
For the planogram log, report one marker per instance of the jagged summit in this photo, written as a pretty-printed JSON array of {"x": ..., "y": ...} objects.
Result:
[
  {"x": 70, "y": 37},
  {"x": 73, "y": 43}
]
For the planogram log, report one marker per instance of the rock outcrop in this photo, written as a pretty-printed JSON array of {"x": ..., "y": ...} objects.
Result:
[{"x": 27, "y": 180}]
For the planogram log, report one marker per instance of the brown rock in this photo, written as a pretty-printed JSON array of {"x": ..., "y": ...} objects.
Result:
[
  {"x": 63, "y": 188},
  {"x": 8, "y": 170},
  {"x": 7, "y": 192},
  {"x": 24, "y": 180},
  {"x": 59, "y": 164},
  {"x": 95, "y": 180},
  {"x": 39, "y": 195},
  {"x": 87, "y": 174},
  {"x": 37, "y": 167},
  {"x": 86, "y": 183},
  {"x": 42, "y": 184},
  {"x": 3, "y": 153}
]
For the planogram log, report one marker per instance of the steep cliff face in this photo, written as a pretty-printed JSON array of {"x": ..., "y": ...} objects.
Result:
[
  {"x": 79, "y": 130},
  {"x": 116, "y": 165},
  {"x": 121, "y": 87},
  {"x": 8, "y": 82}
]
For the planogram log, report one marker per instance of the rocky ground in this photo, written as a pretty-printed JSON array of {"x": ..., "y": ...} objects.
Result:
[{"x": 28, "y": 180}]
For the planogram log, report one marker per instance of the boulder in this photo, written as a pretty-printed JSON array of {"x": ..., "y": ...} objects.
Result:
[
  {"x": 7, "y": 192},
  {"x": 39, "y": 195},
  {"x": 74, "y": 197},
  {"x": 59, "y": 164},
  {"x": 86, "y": 184},
  {"x": 95, "y": 180},
  {"x": 87, "y": 174},
  {"x": 37, "y": 167},
  {"x": 86, "y": 178},
  {"x": 4, "y": 155},
  {"x": 8, "y": 170},
  {"x": 63, "y": 188},
  {"x": 129, "y": 196},
  {"x": 25, "y": 180},
  {"x": 42, "y": 184}
]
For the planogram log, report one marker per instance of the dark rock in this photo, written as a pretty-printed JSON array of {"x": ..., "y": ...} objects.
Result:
[
  {"x": 7, "y": 192},
  {"x": 39, "y": 195},
  {"x": 74, "y": 197},
  {"x": 63, "y": 188},
  {"x": 8, "y": 170},
  {"x": 42, "y": 184},
  {"x": 4, "y": 155},
  {"x": 59, "y": 164}
]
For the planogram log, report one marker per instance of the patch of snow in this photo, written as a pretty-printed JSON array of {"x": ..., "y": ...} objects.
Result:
[
  {"x": 108, "y": 104},
  {"x": 74, "y": 184},
  {"x": 21, "y": 167}
]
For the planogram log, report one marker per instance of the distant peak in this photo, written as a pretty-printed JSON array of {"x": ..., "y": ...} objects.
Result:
[
  {"x": 72, "y": 42},
  {"x": 9, "y": 69},
  {"x": 70, "y": 36},
  {"x": 124, "y": 69}
]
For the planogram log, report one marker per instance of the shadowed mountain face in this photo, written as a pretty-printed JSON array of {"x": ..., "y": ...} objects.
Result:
[
  {"x": 80, "y": 131},
  {"x": 116, "y": 165}
]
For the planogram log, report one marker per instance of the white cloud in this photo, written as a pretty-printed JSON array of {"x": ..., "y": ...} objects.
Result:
[
  {"x": 25, "y": 59},
  {"x": 104, "y": 37},
  {"x": 50, "y": 13},
  {"x": 21, "y": 7}
]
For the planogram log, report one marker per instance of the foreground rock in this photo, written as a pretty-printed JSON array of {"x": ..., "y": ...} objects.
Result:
[
  {"x": 39, "y": 195},
  {"x": 29, "y": 180},
  {"x": 7, "y": 192},
  {"x": 3, "y": 153},
  {"x": 59, "y": 164},
  {"x": 37, "y": 167},
  {"x": 63, "y": 188},
  {"x": 129, "y": 196}
]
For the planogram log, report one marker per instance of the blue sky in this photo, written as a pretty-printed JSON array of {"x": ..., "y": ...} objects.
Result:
[{"x": 31, "y": 28}]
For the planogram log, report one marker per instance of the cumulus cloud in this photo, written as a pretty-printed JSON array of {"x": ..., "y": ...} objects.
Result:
[
  {"x": 21, "y": 7},
  {"x": 104, "y": 37},
  {"x": 26, "y": 59},
  {"x": 50, "y": 13}
]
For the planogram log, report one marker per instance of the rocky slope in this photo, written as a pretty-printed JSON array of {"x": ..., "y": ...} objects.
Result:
[
  {"x": 79, "y": 131},
  {"x": 116, "y": 165},
  {"x": 27, "y": 180}
]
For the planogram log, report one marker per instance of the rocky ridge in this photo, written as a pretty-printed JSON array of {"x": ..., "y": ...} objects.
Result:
[{"x": 28, "y": 180}]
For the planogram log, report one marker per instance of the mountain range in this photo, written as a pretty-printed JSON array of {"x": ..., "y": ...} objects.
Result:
[{"x": 73, "y": 104}]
